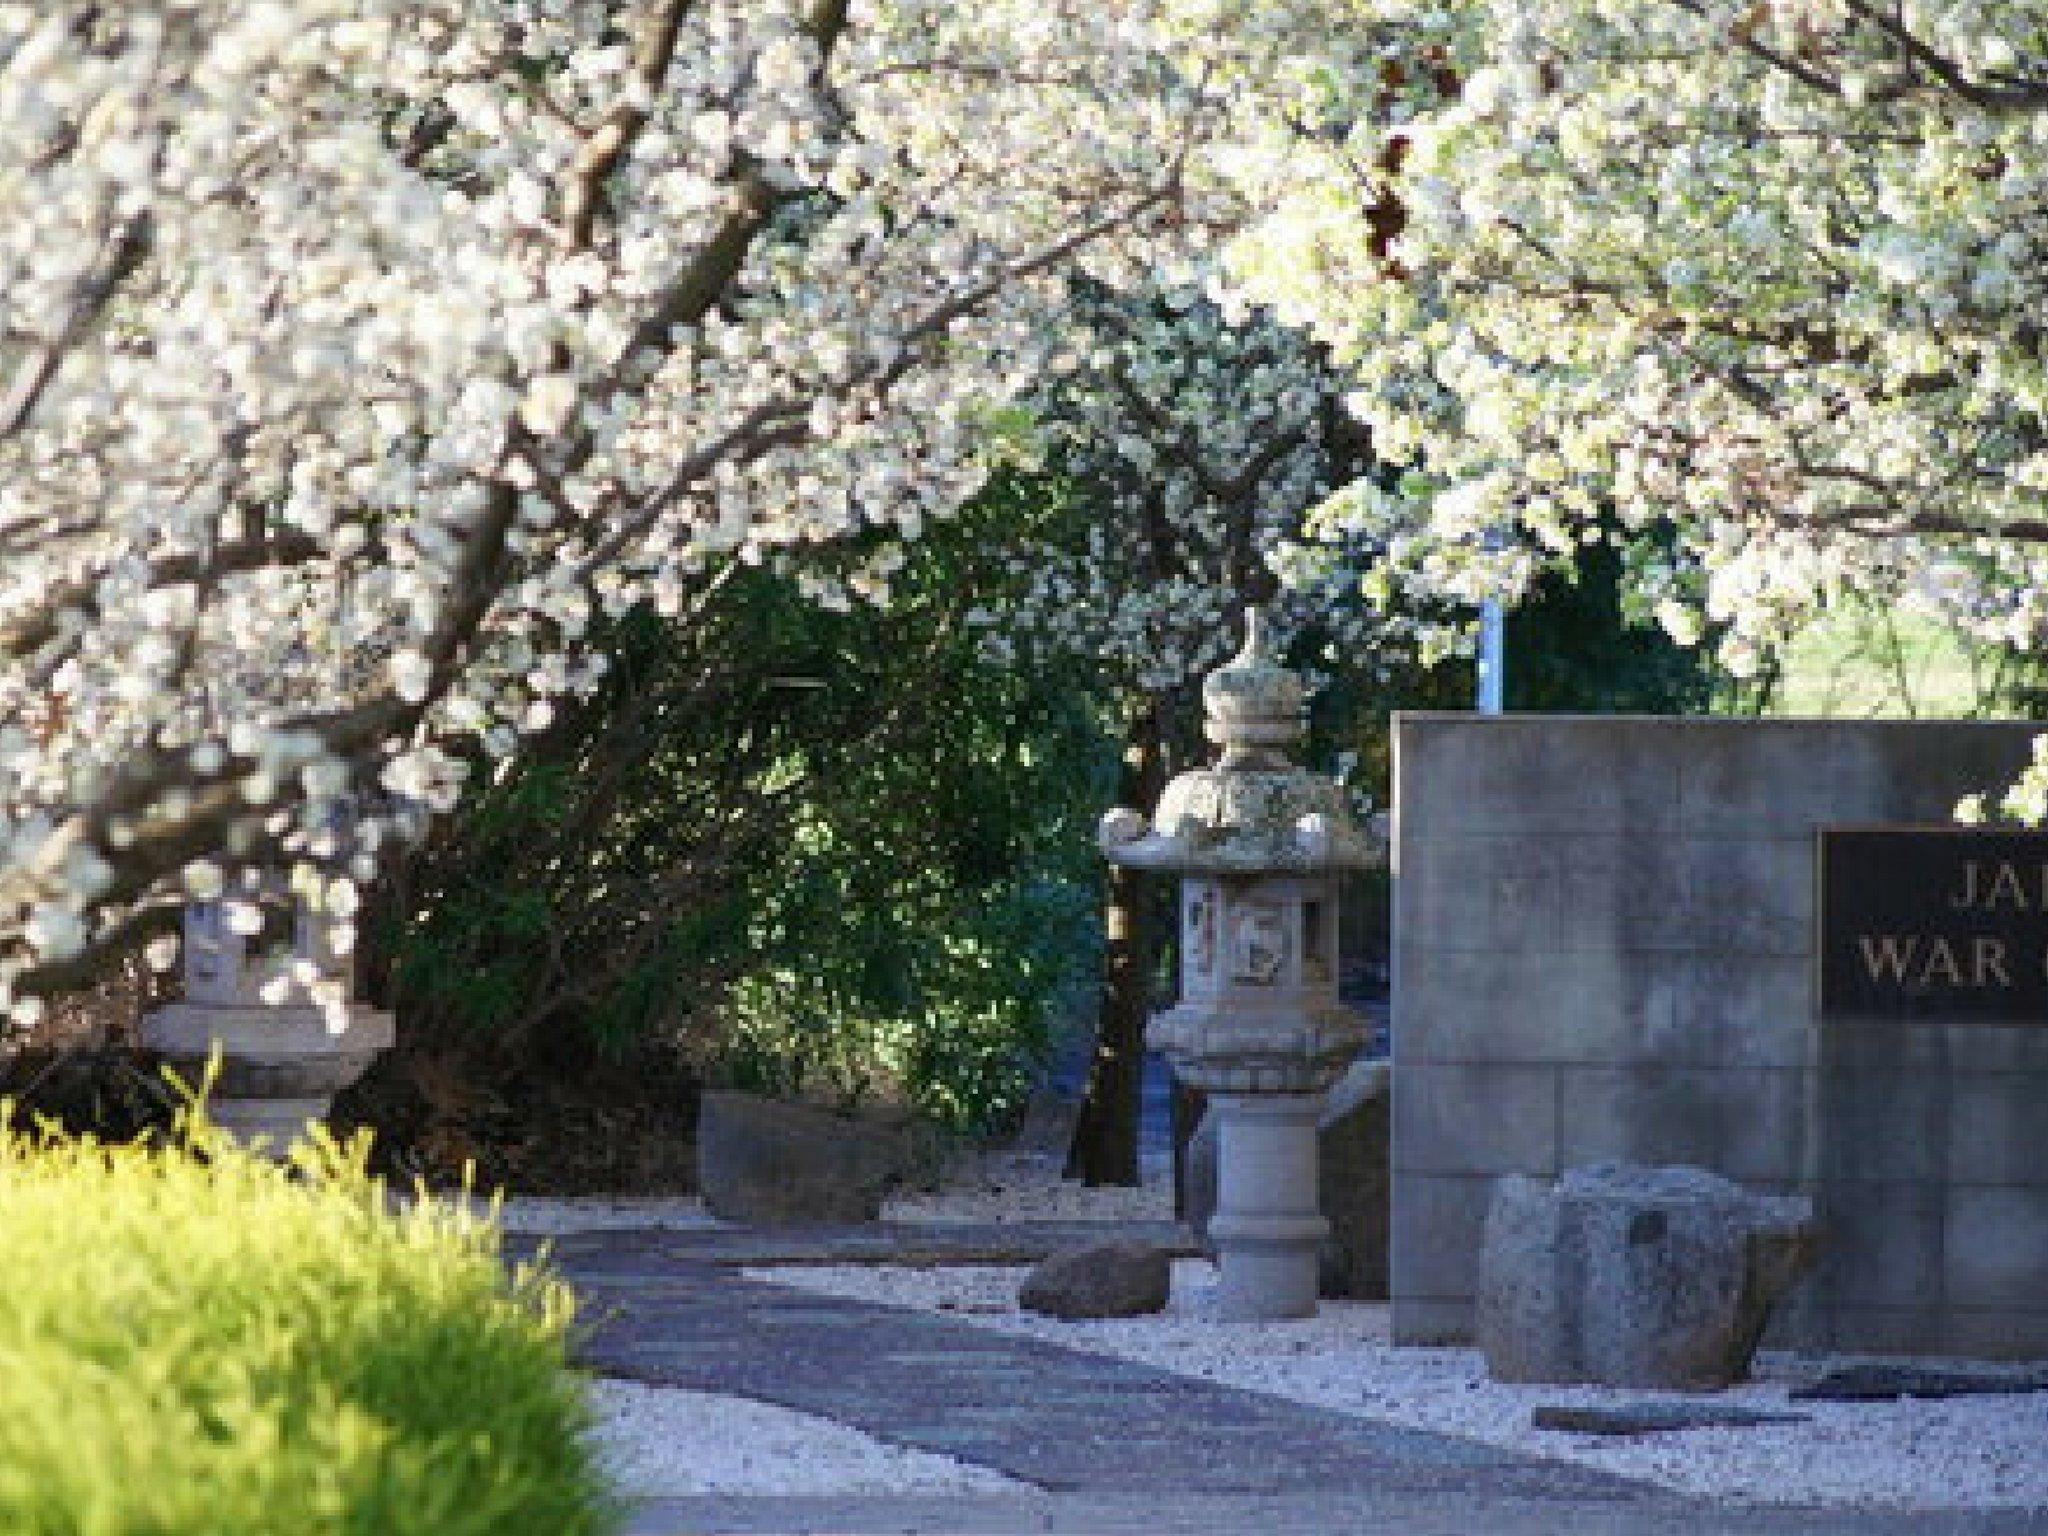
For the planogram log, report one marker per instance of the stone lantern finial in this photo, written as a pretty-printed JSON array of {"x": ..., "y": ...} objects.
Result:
[{"x": 1254, "y": 702}]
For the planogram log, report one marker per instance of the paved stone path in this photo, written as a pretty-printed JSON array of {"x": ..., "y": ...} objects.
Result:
[
  {"x": 1116, "y": 1447},
  {"x": 1059, "y": 1418}
]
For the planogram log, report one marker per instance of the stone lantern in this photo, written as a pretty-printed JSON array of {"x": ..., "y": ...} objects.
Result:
[
  {"x": 255, "y": 999},
  {"x": 1260, "y": 844}
]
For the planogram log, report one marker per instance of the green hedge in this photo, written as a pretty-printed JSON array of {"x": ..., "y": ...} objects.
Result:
[{"x": 194, "y": 1342}]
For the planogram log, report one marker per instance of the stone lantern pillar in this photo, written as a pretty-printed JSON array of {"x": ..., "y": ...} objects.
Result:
[
  {"x": 255, "y": 999},
  {"x": 1260, "y": 844}
]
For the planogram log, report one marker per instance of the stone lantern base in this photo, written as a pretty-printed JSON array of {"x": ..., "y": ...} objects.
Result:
[
  {"x": 1269, "y": 1227},
  {"x": 280, "y": 1067},
  {"x": 1267, "y": 1072}
]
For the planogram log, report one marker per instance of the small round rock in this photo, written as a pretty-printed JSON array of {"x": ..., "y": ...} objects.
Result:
[{"x": 1100, "y": 1280}]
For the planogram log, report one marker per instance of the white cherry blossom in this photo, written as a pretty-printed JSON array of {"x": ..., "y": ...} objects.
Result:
[{"x": 356, "y": 354}]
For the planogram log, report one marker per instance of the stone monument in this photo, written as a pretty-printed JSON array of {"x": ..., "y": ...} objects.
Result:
[
  {"x": 1758, "y": 947},
  {"x": 1260, "y": 844},
  {"x": 253, "y": 998}
]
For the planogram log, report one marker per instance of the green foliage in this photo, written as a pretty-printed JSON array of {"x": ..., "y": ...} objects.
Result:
[
  {"x": 1866, "y": 657},
  {"x": 931, "y": 906},
  {"x": 948, "y": 999},
  {"x": 195, "y": 1342},
  {"x": 835, "y": 854},
  {"x": 1576, "y": 645}
]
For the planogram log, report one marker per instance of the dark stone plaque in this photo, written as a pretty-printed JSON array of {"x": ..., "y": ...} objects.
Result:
[{"x": 1938, "y": 924}]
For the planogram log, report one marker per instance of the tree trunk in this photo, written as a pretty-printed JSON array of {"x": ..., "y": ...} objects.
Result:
[{"x": 1105, "y": 1146}]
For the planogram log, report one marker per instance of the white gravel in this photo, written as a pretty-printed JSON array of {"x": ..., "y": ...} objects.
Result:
[
  {"x": 1005, "y": 1187},
  {"x": 664, "y": 1442},
  {"x": 1963, "y": 1453},
  {"x": 556, "y": 1216},
  {"x": 996, "y": 1188}
]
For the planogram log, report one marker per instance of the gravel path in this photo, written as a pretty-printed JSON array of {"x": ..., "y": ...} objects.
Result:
[
  {"x": 1961, "y": 1455},
  {"x": 1966, "y": 1453},
  {"x": 1026, "y": 1186}
]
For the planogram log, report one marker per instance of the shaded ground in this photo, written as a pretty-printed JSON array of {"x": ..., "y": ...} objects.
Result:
[
  {"x": 579, "y": 1123},
  {"x": 621, "y": 1258}
]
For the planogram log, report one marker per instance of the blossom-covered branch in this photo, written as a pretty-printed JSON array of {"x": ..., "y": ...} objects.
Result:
[
  {"x": 354, "y": 353},
  {"x": 1771, "y": 274}
]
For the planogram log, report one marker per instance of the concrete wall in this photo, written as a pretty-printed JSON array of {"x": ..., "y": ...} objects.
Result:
[{"x": 1604, "y": 948}]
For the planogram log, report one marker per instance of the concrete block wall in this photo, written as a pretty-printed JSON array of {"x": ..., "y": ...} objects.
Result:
[{"x": 1604, "y": 947}]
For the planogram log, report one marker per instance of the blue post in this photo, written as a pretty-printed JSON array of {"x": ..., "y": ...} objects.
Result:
[{"x": 1493, "y": 648}]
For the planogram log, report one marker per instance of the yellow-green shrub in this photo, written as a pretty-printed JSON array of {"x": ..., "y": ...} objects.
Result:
[{"x": 194, "y": 1342}]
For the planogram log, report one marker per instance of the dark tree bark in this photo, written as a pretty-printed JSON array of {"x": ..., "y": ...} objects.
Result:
[
  {"x": 1188, "y": 1105},
  {"x": 1105, "y": 1146}
]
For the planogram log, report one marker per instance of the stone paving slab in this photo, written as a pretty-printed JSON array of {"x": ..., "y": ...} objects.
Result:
[
  {"x": 880, "y": 1242},
  {"x": 1361, "y": 1512},
  {"x": 1062, "y": 1419}
]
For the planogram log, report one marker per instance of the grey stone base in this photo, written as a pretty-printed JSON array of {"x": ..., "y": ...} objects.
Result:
[{"x": 273, "y": 1070}]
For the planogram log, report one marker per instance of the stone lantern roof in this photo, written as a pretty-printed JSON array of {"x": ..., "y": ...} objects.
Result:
[{"x": 1254, "y": 811}]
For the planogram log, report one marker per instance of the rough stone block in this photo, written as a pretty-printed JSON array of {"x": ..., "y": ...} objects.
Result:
[
  {"x": 772, "y": 1162},
  {"x": 1621, "y": 1275}
]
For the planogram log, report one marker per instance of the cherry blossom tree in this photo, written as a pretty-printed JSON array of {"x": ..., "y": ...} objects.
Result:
[
  {"x": 1188, "y": 449},
  {"x": 1771, "y": 270},
  {"x": 355, "y": 353}
]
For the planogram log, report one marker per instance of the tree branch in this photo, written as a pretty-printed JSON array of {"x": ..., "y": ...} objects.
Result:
[
  {"x": 125, "y": 252},
  {"x": 2026, "y": 97},
  {"x": 605, "y": 148},
  {"x": 29, "y": 632}
]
